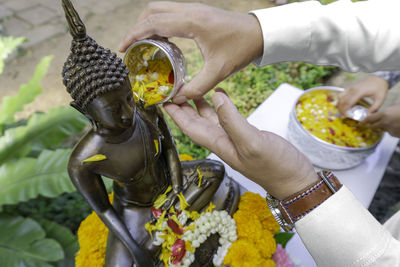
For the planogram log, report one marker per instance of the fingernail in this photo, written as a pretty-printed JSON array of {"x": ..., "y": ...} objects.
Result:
[
  {"x": 218, "y": 102},
  {"x": 120, "y": 48},
  {"x": 179, "y": 99}
]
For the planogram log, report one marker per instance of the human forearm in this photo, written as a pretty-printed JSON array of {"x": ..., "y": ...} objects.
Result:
[{"x": 312, "y": 32}]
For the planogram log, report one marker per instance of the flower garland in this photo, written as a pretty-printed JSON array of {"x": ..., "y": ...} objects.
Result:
[
  {"x": 255, "y": 229},
  {"x": 245, "y": 240},
  {"x": 179, "y": 240}
]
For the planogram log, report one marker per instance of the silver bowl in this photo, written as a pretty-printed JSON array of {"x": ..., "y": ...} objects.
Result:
[
  {"x": 321, "y": 153},
  {"x": 170, "y": 50}
]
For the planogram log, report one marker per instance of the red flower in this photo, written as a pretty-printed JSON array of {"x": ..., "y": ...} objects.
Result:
[
  {"x": 156, "y": 212},
  {"x": 171, "y": 78},
  {"x": 178, "y": 251},
  {"x": 174, "y": 227}
]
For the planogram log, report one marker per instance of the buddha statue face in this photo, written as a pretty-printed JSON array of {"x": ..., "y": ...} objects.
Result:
[{"x": 113, "y": 112}]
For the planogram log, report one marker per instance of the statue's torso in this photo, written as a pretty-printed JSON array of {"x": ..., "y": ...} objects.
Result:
[{"x": 136, "y": 166}]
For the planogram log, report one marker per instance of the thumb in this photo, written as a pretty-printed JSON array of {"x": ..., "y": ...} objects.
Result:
[
  {"x": 203, "y": 82},
  {"x": 235, "y": 125}
]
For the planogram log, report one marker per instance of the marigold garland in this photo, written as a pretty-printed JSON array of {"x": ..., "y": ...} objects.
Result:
[
  {"x": 255, "y": 229},
  {"x": 92, "y": 238}
]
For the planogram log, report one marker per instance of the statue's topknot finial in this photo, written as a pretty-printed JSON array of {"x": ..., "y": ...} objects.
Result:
[
  {"x": 90, "y": 70},
  {"x": 76, "y": 26}
]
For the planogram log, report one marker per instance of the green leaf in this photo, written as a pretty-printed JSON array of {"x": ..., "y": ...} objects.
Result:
[
  {"x": 283, "y": 237},
  {"x": 65, "y": 238},
  {"x": 7, "y": 45},
  {"x": 26, "y": 178},
  {"x": 26, "y": 94},
  {"x": 44, "y": 131},
  {"x": 23, "y": 243}
]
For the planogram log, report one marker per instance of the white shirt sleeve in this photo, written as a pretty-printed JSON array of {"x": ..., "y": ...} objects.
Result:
[
  {"x": 341, "y": 232},
  {"x": 361, "y": 36}
]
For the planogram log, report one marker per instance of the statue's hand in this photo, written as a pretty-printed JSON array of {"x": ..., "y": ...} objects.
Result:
[{"x": 172, "y": 198}]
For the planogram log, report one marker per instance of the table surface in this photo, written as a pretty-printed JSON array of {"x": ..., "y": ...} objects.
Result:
[{"x": 363, "y": 180}]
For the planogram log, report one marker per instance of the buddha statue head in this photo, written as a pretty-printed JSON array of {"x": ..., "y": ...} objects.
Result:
[{"x": 97, "y": 80}]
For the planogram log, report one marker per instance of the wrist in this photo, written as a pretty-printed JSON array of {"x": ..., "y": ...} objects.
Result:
[
  {"x": 295, "y": 207},
  {"x": 257, "y": 42},
  {"x": 296, "y": 183}
]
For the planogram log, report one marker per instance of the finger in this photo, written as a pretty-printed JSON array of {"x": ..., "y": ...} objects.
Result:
[
  {"x": 203, "y": 132},
  {"x": 161, "y": 7},
  {"x": 203, "y": 82},
  {"x": 199, "y": 129},
  {"x": 347, "y": 99},
  {"x": 373, "y": 118},
  {"x": 242, "y": 134},
  {"x": 161, "y": 24},
  {"x": 378, "y": 125},
  {"x": 378, "y": 101},
  {"x": 205, "y": 110}
]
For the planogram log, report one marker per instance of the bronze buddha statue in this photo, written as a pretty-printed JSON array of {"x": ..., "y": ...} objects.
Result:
[{"x": 139, "y": 153}]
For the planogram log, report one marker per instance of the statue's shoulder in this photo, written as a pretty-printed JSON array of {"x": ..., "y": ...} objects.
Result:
[{"x": 87, "y": 147}]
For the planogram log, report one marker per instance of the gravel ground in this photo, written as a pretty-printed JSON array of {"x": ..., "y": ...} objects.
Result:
[{"x": 387, "y": 198}]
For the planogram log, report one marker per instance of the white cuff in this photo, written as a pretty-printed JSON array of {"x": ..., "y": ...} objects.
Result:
[{"x": 341, "y": 232}]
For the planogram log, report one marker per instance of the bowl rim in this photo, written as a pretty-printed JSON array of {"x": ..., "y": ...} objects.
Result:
[
  {"x": 319, "y": 140},
  {"x": 155, "y": 43}
]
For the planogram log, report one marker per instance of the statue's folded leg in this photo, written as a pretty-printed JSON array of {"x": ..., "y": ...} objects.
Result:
[
  {"x": 117, "y": 255},
  {"x": 135, "y": 218},
  {"x": 201, "y": 180}
]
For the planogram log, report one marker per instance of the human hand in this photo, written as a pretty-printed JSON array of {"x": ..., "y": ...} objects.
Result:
[
  {"x": 263, "y": 157},
  {"x": 227, "y": 40},
  {"x": 387, "y": 120},
  {"x": 372, "y": 86}
]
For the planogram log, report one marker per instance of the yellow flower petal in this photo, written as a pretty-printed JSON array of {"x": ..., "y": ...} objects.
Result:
[
  {"x": 156, "y": 144},
  {"x": 98, "y": 157},
  {"x": 210, "y": 207},
  {"x": 200, "y": 177},
  {"x": 182, "y": 201},
  {"x": 185, "y": 157}
]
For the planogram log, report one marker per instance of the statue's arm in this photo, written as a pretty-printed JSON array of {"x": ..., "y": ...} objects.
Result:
[
  {"x": 171, "y": 153},
  {"x": 91, "y": 186}
]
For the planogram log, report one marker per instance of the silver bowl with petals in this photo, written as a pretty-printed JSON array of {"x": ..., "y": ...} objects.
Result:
[{"x": 321, "y": 153}]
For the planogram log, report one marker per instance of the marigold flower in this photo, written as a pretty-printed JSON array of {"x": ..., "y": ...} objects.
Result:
[
  {"x": 242, "y": 253},
  {"x": 248, "y": 225}
]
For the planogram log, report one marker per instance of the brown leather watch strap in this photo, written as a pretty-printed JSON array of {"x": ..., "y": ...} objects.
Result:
[{"x": 298, "y": 205}]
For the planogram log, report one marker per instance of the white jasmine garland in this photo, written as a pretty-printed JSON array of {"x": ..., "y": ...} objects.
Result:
[
  {"x": 204, "y": 226},
  {"x": 208, "y": 223}
]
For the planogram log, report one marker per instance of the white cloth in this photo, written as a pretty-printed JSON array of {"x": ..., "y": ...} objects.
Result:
[{"x": 362, "y": 36}]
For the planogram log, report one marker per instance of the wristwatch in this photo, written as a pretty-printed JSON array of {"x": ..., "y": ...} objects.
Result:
[{"x": 295, "y": 207}]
